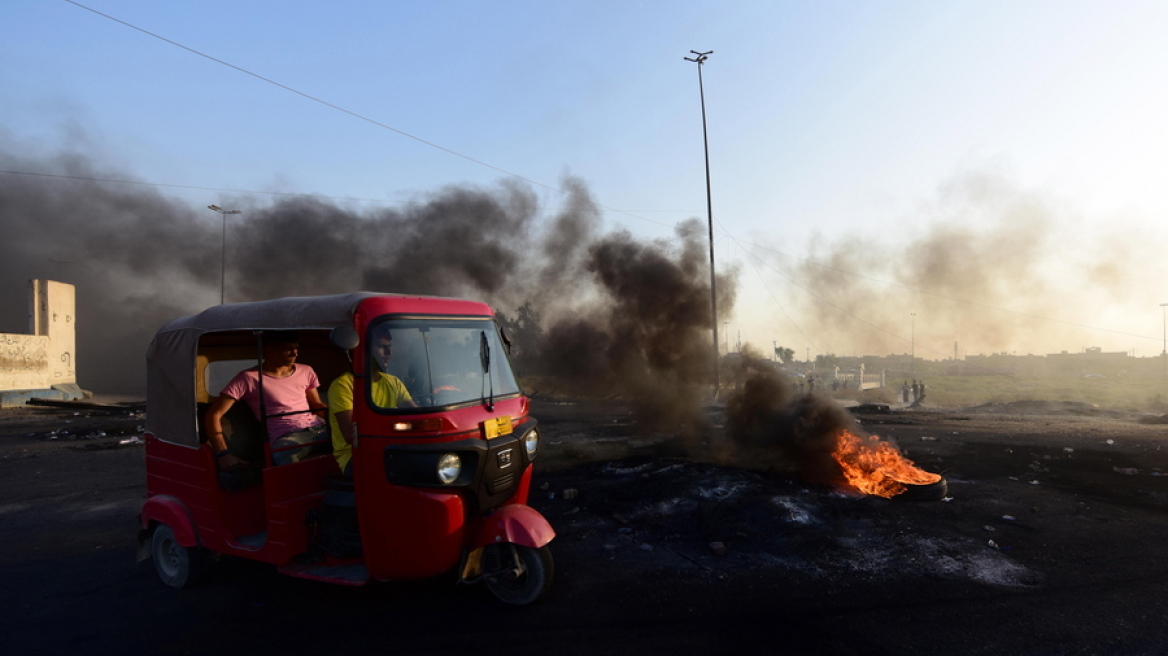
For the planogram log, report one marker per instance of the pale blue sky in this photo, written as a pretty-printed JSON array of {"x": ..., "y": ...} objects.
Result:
[{"x": 827, "y": 120}]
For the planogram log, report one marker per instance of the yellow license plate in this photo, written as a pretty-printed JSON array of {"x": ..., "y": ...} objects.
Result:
[{"x": 493, "y": 428}]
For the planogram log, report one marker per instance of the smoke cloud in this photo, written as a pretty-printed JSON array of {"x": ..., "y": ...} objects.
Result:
[
  {"x": 647, "y": 334},
  {"x": 620, "y": 315},
  {"x": 771, "y": 426},
  {"x": 988, "y": 264}
]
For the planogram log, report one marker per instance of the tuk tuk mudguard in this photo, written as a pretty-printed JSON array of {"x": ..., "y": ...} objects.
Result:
[
  {"x": 164, "y": 509},
  {"x": 515, "y": 523}
]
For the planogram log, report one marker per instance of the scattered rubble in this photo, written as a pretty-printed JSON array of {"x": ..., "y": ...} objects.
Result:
[{"x": 707, "y": 518}]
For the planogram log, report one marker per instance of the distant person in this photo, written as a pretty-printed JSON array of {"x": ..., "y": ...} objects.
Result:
[
  {"x": 916, "y": 390},
  {"x": 904, "y": 390},
  {"x": 290, "y": 391},
  {"x": 388, "y": 392}
]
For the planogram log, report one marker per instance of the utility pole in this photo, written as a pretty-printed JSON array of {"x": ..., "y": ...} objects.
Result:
[
  {"x": 1164, "y": 352},
  {"x": 699, "y": 58},
  {"x": 912, "y": 363},
  {"x": 223, "y": 267}
]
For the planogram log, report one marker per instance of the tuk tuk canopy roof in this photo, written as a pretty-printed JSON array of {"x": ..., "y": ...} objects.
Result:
[{"x": 171, "y": 410}]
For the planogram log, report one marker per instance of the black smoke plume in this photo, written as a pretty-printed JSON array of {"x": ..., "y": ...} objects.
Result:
[
  {"x": 773, "y": 426},
  {"x": 620, "y": 315},
  {"x": 647, "y": 334}
]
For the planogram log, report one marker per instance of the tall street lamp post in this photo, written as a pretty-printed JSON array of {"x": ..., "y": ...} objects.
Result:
[
  {"x": 223, "y": 267},
  {"x": 699, "y": 58}
]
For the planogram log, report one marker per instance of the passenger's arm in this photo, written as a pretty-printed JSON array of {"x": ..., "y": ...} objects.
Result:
[
  {"x": 213, "y": 425},
  {"x": 345, "y": 425},
  {"x": 314, "y": 402}
]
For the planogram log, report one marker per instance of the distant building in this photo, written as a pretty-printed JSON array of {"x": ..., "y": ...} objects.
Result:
[
  {"x": 42, "y": 364},
  {"x": 1092, "y": 361}
]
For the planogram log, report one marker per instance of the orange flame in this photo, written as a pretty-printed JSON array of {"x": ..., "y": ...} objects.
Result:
[{"x": 877, "y": 467}]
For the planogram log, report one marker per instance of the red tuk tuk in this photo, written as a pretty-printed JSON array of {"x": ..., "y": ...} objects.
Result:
[{"x": 437, "y": 487}]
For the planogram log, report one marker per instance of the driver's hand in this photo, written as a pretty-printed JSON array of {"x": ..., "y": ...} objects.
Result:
[{"x": 228, "y": 461}]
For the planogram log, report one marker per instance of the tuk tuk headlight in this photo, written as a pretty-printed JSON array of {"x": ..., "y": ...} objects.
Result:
[
  {"x": 449, "y": 467},
  {"x": 531, "y": 442}
]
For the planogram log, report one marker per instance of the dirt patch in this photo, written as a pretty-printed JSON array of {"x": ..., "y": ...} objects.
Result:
[
  {"x": 1032, "y": 407},
  {"x": 33, "y": 431}
]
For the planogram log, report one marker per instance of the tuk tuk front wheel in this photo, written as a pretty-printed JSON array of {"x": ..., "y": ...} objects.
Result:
[
  {"x": 177, "y": 566},
  {"x": 528, "y": 581}
]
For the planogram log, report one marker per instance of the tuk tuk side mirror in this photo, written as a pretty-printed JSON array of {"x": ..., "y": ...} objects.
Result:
[{"x": 344, "y": 337}]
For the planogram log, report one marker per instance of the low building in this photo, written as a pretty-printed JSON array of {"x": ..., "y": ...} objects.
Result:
[{"x": 42, "y": 364}]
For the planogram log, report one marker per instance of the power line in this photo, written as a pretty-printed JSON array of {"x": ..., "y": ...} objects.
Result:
[
  {"x": 343, "y": 110},
  {"x": 774, "y": 298},
  {"x": 310, "y": 97}
]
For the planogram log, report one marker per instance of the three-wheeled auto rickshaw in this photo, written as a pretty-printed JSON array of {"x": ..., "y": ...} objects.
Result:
[{"x": 437, "y": 486}]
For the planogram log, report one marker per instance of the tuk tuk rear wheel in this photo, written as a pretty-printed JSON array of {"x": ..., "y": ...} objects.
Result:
[
  {"x": 526, "y": 587},
  {"x": 177, "y": 566}
]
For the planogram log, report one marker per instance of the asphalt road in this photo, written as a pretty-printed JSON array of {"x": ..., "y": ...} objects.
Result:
[{"x": 1086, "y": 547}]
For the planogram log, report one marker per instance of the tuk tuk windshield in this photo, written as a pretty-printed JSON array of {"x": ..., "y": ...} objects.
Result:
[{"x": 440, "y": 362}]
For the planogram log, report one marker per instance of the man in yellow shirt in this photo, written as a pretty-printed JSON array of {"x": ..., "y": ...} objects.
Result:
[{"x": 388, "y": 392}]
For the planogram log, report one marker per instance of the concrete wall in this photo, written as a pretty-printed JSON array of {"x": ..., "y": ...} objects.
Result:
[{"x": 45, "y": 357}]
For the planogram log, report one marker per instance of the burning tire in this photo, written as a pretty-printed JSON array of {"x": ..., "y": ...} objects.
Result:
[
  {"x": 926, "y": 492},
  {"x": 873, "y": 466}
]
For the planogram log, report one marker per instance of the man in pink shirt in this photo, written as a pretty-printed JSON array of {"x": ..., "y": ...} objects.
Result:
[{"x": 290, "y": 393}]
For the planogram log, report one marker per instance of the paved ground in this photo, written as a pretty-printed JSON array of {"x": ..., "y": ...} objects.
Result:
[{"x": 1051, "y": 543}]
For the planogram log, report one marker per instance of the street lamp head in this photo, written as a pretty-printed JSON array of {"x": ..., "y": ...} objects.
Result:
[{"x": 701, "y": 57}]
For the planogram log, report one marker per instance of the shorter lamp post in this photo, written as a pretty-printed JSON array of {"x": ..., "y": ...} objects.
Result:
[
  {"x": 1164, "y": 350},
  {"x": 223, "y": 267}
]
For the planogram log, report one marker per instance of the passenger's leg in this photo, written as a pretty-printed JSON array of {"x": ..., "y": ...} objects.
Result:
[{"x": 313, "y": 434}]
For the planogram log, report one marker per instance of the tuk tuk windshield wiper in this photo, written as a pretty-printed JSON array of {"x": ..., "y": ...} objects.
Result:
[{"x": 485, "y": 357}]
